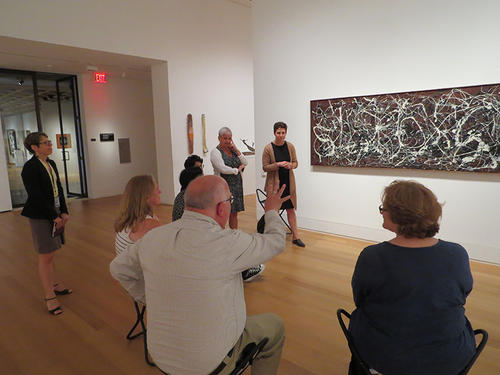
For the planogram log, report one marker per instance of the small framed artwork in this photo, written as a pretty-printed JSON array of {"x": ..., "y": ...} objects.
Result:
[
  {"x": 11, "y": 136},
  {"x": 63, "y": 140}
]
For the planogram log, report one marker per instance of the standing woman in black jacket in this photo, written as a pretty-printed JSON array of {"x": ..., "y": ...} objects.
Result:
[{"x": 45, "y": 206}]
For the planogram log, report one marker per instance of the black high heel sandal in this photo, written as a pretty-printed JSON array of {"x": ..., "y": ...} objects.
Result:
[
  {"x": 54, "y": 311},
  {"x": 62, "y": 292}
]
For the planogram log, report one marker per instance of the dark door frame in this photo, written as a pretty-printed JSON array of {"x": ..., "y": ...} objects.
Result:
[{"x": 76, "y": 113}]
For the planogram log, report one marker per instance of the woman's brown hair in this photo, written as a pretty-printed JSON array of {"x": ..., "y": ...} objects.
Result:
[
  {"x": 413, "y": 208},
  {"x": 134, "y": 206},
  {"x": 280, "y": 125},
  {"x": 33, "y": 139}
]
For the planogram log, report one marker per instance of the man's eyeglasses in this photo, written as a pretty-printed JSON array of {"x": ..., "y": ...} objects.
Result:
[
  {"x": 230, "y": 200},
  {"x": 381, "y": 209},
  {"x": 46, "y": 143}
]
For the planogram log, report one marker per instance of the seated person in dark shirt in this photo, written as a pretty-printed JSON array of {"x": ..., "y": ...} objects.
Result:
[
  {"x": 193, "y": 161},
  {"x": 186, "y": 176},
  {"x": 410, "y": 292}
]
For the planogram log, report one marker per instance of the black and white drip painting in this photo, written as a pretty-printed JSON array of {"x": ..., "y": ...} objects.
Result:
[{"x": 454, "y": 129}]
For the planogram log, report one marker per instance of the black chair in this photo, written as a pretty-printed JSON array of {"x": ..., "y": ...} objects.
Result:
[
  {"x": 479, "y": 349},
  {"x": 365, "y": 368},
  {"x": 261, "y": 198},
  {"x": 362, "y": 366},
  {"x": 140, "y": 320},
  {"x": 247, "y": 356}
]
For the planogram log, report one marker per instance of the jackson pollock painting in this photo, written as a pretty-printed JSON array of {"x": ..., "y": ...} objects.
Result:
[{"x": 454, "y": 129}]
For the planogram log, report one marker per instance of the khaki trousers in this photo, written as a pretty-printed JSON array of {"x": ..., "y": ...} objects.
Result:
[{"x": 257, "y": 327}]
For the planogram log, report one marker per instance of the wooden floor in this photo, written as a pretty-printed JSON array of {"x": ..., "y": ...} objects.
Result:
[{"x": 304, "y": 286}]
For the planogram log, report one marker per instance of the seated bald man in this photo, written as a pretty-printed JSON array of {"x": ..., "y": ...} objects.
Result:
[{"x": 189, "y": 272}]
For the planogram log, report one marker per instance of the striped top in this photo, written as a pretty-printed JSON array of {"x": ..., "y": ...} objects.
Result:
[{"x": 122, "y": 239}]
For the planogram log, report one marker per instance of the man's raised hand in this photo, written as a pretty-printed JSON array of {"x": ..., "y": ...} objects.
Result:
[{"x": 274, "y": 200}]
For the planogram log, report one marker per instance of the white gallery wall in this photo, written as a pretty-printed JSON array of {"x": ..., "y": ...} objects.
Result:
[
  {"x": 306, "y": 50},
  {"x": 206, "y": 43},
  {"x": 123, "y": 107}
]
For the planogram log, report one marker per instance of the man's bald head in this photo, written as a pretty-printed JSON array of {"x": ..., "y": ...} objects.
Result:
[{"x": 205, "y": 192}]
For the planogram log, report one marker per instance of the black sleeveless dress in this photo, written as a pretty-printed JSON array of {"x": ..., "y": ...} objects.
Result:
[{"x": 281, "y": 153}]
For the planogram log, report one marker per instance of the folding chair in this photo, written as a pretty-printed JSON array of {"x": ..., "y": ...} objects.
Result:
[
  {"x": 261, "y": 198},
  {"x": 140, "y": 320},
  {"x": 365, "y": 367},
  {"x": 362, "y": 364},
  {"x": 479, "y": 349},
  {"x": 247, "y": 356}
]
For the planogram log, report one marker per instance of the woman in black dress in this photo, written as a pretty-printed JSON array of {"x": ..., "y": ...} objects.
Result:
[
  {"x": 279, "y": 160},
  {"x": 45, "y": 208}
]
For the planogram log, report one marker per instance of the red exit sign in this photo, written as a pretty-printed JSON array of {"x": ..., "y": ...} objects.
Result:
[{"x": 100, "y": 77}]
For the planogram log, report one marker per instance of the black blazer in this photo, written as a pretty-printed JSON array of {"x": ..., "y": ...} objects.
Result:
[{"x": 40, "y": 203}]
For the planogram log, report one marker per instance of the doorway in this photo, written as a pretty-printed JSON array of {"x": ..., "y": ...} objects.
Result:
[{"x": 47, "y": 102}]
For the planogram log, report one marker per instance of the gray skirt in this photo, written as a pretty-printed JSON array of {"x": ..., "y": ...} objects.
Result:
[{"x": 41, "y": 231}]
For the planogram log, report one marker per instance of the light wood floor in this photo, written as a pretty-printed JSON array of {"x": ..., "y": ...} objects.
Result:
[{"x": 304, "y": 286}]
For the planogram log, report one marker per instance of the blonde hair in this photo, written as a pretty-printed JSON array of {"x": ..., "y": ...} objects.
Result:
[{"x": 134, "y": 206}]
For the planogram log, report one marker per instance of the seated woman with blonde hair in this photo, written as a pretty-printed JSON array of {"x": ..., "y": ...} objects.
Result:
[
  {"x": 410, "y": 292},
  {"x": 137, "y": 217}
]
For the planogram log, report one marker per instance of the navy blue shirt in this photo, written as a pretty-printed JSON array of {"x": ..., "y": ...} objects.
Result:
[{"x": 410, "y": 316}]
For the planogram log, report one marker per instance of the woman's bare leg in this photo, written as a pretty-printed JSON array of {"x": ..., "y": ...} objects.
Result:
[
  {"x": 46, "y": 273},
  {"x": 292, "y": 220}
]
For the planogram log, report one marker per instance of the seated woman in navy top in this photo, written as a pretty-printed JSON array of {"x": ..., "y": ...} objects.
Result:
[{"x": 410, "y": 292}]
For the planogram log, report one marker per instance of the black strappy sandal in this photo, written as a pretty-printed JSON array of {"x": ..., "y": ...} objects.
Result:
[
  {"x": 54, "y": 311},
  {"x": 62, "y": 292}
]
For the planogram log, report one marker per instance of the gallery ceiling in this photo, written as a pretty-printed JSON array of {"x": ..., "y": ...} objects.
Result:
[
  {"x": 15, "y": 98},
  {"x": 20, "y": 54}
]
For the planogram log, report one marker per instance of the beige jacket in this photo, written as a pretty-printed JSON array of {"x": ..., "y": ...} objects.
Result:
[
  {"x": 190, "y": 274},
  {"x": 269, "y": 166}
]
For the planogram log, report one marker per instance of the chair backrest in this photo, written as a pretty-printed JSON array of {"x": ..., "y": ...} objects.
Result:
[
  {"x": 261, "y": 197},
  {"x": 247, "y": 356},
  {"x": 365, "y": 367},
  {"x": 479, "y": 349},
  {"x": 352, "y": 347}
]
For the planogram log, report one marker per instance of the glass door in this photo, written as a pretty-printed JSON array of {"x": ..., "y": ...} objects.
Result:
[
  {"x": 70, "y": 141},
  {"x": 60, "y": 120},
  {"x": 18, "y": 118},
  {"x": 47, "y": 102}
]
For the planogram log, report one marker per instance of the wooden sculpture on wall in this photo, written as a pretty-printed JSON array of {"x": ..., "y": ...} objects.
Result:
[
  {"x": 190, "y": 133},
  {"x": 204, "y": 130}
]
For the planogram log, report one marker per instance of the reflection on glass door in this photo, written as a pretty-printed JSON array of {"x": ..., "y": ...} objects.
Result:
[
  {"x": 69, "y": 141},
  {"x": 18, "y": 118},
  {"x": 48, "y": 102},
  {"x": 60, "y": 120}
]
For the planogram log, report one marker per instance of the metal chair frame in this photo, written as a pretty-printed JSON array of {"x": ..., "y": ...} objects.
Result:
[
  {"x": 352, "y": 347},
  {"x": 479, "y": 349},
  {"x": 247, "y": 356},
  {"x": 365, "y": 367},
  {"x": 261, "y": 198},
  {"x": 140, "y": 311}
]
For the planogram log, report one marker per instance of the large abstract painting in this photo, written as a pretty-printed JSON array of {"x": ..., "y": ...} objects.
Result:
[{"x": 454, "y": 129}]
